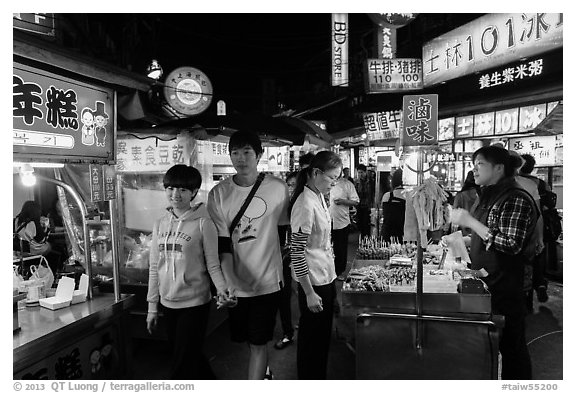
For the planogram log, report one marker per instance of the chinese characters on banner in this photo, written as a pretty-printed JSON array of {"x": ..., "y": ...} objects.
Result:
[
  {"x": 484, "y": 124},
  {"x": 149, "y": 155},
  {"x": 220, "y": 154},
  {"x": 384, "y": 75},
  {"x": 102, "y": 182},
  {"x": 57, "y": 116},
  {"x": 383, "y": 125},
  {"x": 490, "y": 41},
  {"x": 420, "y": 118},
  {"x": 531, "y": 116},
  {"x": 278, "y": 158},
  {"x": 510, "y": 74},
  {"x": 543, "y": 148},
  {"x": 386, "y": 42},
  {"x": 274, "y": 159},
  {"x": 503, "y": 122},
  {"x": 446, "y": 129}
]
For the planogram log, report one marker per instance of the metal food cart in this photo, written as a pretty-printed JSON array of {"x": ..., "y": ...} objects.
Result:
[
  {"x": 454, "y": 336},
  {"x": 417, "y": 335}
]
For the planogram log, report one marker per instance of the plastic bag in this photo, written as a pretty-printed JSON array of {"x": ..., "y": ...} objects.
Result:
[
  {"x": 16, "y": 279},
  {"x": 456, "y": 247},
  {"x": 42, "y": 273}
]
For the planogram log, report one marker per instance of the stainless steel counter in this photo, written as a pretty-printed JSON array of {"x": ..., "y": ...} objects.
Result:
[{"x": 45, "y": 332}]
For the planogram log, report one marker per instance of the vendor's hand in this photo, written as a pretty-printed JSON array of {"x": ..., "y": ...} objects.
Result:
[
  {"x": 461, "y": 217},
  {"x": 44, "y": 221},
  {"x": 151, "y": 321},
  {"x": 314, "y": 302}
]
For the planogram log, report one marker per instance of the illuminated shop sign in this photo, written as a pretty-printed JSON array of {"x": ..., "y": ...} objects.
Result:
[
  {"x": 420, "y": 120},
  {"x": 531, "y": 116},
  {"x": 446, "y": 129},
  {"x": 60, "y": 118},
  {"x": 507, "y": 121},
  {"x": 543, "y": 148},
  {"x": 386, "y": 42},
  {"x": 149, "y": 155},
  {"x": 385, "y": 75},
  {"x": 383, "y": 125},
  {"x": 102, "y": 182},
  {"x": 339, "y": 50},
  {"x": 464, "y": 126},
  {"x": 484, "y": 124},
  {"x": 510, "y": 74},
  {"x": 490, "y": 41},
  {"x": 39, "y": 23},
  {"x": 274, "y": 159}
]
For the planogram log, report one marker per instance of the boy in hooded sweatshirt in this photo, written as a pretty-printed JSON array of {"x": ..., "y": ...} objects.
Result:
[{"x": 183, "y": 258}]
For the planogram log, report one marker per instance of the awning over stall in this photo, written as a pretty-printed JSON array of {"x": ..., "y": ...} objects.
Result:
[{"x": 553, "y": 123}]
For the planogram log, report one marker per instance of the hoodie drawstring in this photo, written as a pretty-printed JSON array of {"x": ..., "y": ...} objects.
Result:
[
  {"x": 174, "y": 239},
  {"x": 166, "y": 242},
  {"x": 173, "y": 253}
]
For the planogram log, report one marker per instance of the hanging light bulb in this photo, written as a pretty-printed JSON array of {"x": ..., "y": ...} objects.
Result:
[
  {"x": 27, "y": 175},
  {"x": 154, "y": 70}
]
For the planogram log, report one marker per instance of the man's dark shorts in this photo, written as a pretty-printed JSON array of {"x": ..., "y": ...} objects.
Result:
[{"x": 253, "y": 319}]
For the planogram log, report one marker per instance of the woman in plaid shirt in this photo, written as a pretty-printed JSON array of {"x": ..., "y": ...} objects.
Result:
[{"x": 501, "y": 221}]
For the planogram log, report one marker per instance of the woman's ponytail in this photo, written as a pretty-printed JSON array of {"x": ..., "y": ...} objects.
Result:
[{"x": 301, "y": 181}]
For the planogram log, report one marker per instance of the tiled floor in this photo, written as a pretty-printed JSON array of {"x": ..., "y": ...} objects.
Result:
[{"x": 229, "y": 360}]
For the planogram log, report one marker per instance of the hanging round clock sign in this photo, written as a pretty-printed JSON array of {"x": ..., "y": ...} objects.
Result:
[{"x": 188, "y": 90}]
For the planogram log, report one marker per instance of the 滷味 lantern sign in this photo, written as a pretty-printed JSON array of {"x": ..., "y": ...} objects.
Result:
[
  {"x": 60, "y": 118},
  {"x": 420, "y": 120}
]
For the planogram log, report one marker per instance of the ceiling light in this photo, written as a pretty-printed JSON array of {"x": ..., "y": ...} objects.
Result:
[
  {"x": 39, "y": 164},
  {"x": 154, "y": 70},
  {"x": 27, "y": 175}
]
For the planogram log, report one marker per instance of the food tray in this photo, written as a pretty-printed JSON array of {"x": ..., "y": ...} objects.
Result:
[{"x": 456, "y": 305}]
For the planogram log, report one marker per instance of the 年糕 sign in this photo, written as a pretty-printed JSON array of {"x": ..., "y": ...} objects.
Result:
[
  {"x": 420, "y": 120},
  {"x": 60, "y": 118}
]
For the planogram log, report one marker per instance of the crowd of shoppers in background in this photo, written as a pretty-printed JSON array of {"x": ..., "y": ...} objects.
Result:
[{"x": 257, "y": 233}]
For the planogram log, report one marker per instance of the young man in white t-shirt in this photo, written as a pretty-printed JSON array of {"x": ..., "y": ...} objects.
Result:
[{"x": 251, "y": 255}]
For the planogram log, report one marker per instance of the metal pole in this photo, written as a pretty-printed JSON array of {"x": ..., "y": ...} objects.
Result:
[
  {"x": 115, "y": 262},
  {"x": 419, "y": 258},
  {"x": 84, "y": 211}
]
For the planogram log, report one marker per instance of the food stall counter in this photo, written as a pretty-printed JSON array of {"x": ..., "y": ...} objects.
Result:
[{"x": 87, "y": 340}]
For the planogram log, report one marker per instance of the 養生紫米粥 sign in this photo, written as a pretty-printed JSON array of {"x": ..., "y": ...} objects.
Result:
[{"x": 60, "y": 119}]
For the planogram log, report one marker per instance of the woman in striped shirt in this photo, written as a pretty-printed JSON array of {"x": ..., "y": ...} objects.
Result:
[{"x": 313, "y": 262}]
